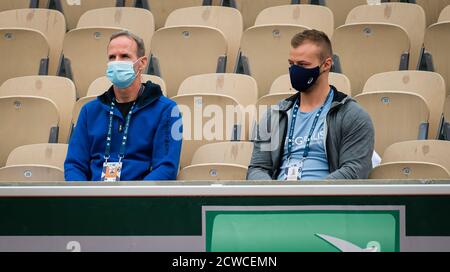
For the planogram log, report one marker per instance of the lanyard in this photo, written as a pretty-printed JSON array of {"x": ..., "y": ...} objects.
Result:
[
  {"x": 291, "y": 129},
  {"x": 125, "y": 132}
]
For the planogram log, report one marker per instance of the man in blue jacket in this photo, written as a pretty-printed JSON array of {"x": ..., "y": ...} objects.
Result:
[{"x": 131, "y": 132}]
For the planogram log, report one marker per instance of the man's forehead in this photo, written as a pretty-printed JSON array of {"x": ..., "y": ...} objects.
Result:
[
  {"x": 123, "y": 43},
  {"x": 306, "y": 50}
]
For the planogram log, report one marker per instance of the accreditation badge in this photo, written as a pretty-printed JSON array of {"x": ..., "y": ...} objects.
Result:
[
  {"x": 292, "y": 172},
  {"x": 111, "y": 171}
]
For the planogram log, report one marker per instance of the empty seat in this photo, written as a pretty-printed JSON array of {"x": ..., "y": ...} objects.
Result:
[
  {"x": 432, "y": 151},
  {"x": 409, "y": 170},
  {"x": 58, "y": 89},
  {"x": 312, "y": 16},
  {"x": 73, "y": 10},
  {"x": 228, "y": 20},
  {"x": 445, "y": 14},
  {"x": 203, "y": 51},
  {"x": 341, "y": 9},
  {"x": 23, "y": 52},
  {"x": 51, "y": 23},
  {"x": 241, "y": 87},
  {"x": 265, "y": 51},
  {"x": 364, "y": 49},
  {"x": 432, "y": 9},
  {"x": 431, "y": 86},
  {"x": 219, "y": 161},
  {"x": 77, "y": 109},
  {"x": 162, "y": 8},
  {"x": 136, "y": 20},
  {"x": 85, "y": 55},
  {"x": 410, "y": 17},
  {"x": 251, "y": 8},
  {"x": 102, "y": 84},
  {"x": 31, "y": 173},
  {"x": 43, "y": 154},
  {"x": 14, "y": 4},
  {"x": 396, "y": 116},
  {"x": 26, "y": 120},
  {"x": 437, "y": 39}
]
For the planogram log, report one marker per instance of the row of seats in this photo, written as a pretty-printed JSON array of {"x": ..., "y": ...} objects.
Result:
[
  {"x": 419, "y": 159},
  {"x": 212, "y": 41},
  {"x": 73, "y": 9},
  {"x": 404, "y": 105}
]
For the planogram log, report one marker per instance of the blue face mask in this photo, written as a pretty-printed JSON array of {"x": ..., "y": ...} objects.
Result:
[
  {"x": 303, "y": 78},
  {"x": 121, "y": 73}
]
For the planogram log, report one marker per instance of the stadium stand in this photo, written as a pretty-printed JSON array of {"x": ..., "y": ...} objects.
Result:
[
  {"x": 227, "y": 20},
  {"x": 59, "y": 90},
  {"x": 430, "y": 85},
  {"x": 432, "y": 8},
  {"x": 26, "y": 120},
  {"x": 15, "y": 4},
  {"x": 396, "y": 116},
  {"x": 445, "y": 14},
  {"x": 50, "y": 23},
  {"x": 409, "y": 170},
  {"x": 204, "y": 51},
  {"x": 219, "y": 161},
  {"x": 364, "y": 49},
  {"x": 410, "y": 17},
  {"x": 38, "y": 154},
  {"x": 445, "y": 128}
]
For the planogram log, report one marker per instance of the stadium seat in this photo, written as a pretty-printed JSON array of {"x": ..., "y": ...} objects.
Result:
[
  {"x": 364, "y": 49},
  {"x": 85, "y": 55},
  {"x": 18, "y": 57},
  {"x": 26, "y": 120},
  {"x": 227, "y": 20},
  {"x": 44, "y": 3},
  {"x": 397, "y": 116},
  {"x": 51, "y": 23},
  {"x": 241, "y": 87},
  {"x": 219, "y": 161},
  {"x": 437, "y": 54},
  {"x": 102, "y": 84},
  {"x": 445, "y": 129},
  {"x": 265, "y": 52},
  {"x": 203, "y": 51},
  {"x": 432, "y": 151},
  {"x": 136, "y": 20},
  {"x": 432, "y": 8},
  {"x": 43, "y": 154},
  {"x": 251, "y": 8},
  {"x": 409, "y": 170},
  {"x": 429, "y": 85},
  {"x": 410, "y": 17},
  {"x": 311, "y": 16},
  {"x": 31, "y": 173},
  {"x": 445, "y": 14},
  {"x": 58, "y": 89},
  {"x": 14, "y": 4},
  {"x": 341, "y": 9},
  {"x": 73, "y": 9},
  {"x": 162, "y": 8},
  {"x": 76, "y": 110}
]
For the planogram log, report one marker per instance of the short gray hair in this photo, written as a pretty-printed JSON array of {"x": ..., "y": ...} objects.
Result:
[{"x": 140, "y": 43}]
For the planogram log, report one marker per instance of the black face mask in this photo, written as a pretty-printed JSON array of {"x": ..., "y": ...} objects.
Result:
[{"x": 303, "y": 78}]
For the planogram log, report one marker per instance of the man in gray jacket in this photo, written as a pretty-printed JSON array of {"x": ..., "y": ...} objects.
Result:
[{"x": 318, "y": 133}]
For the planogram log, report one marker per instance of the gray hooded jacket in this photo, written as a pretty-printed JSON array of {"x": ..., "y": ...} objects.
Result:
[{"x": 349, "y": 140}]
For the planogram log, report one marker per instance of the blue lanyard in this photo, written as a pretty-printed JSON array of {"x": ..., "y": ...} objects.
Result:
[
  {"x": 291, "y": 129},
  {"x": 125, "y": 132}
]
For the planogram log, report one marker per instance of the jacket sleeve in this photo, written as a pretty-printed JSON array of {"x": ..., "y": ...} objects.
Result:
[
  {"x": 167, "y": 146},
  {"x": 261, "y": 166},
  {"x": 76, "y": 165},
  {"x": 357, "y": 145}
]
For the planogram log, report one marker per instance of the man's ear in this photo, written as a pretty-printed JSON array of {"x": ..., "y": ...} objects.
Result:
[
  {"x": 327, "y": 64},
  {"x": 143, "y": 64}
]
